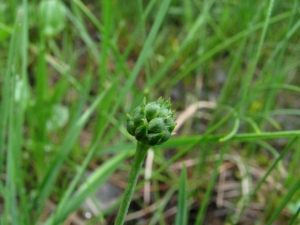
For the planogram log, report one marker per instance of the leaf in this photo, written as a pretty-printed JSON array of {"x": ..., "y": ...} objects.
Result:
[
  {"x": 181, "y": 216},
  {"x": 89, "y": 187}
]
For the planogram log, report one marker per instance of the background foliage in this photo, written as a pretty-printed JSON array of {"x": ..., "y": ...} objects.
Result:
[{"x": 70, "y": 70}]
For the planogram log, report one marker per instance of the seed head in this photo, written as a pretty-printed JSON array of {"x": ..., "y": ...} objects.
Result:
[{"x": 152, "y": 123}]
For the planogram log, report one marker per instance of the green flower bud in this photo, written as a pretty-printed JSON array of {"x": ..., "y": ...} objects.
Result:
[
  {"x": 157, "y": 125},
  {"x": 141, "y": 132},
  {"x": 152, "y": 110},
  {"x": 154, "y": 139},
  {"x": 130, "y": 125},
  {"x": 152, "y": 123},
  {"x": 164, "y": 112},
  {"x": 165, "y": 137},
  {"x": 139, "y": 116},
  {"x": 52, "y": 17}
]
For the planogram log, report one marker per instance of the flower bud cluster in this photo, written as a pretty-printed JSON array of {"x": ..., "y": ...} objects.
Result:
[{"x": 152, "y": 123}]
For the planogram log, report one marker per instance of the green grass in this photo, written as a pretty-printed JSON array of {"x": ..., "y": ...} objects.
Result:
[{"x": 64, "y": 101}]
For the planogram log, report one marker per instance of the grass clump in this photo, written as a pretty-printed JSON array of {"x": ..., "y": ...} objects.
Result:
[{"x": 231, "y": 72}]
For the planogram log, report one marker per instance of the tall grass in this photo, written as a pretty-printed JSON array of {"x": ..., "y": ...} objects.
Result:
[{"x": 64, "y": 100}]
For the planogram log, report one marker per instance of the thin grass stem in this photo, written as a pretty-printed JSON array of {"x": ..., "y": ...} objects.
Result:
[{"x": 140, "y": 154}]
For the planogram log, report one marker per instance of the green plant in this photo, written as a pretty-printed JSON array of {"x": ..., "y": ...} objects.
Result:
[
  {"x": 151, "y": 124},
  {"x": 52, "y": 17},
  {"x": 62, "y": 136}
]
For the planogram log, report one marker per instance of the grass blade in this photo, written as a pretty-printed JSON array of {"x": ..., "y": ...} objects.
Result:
[
  {"x": 295, "y": 216},
  {"x": 145, "y": 51},
  {"x": 286, "y": 199},
  {"x": 278, "y": 159},
  {"x": 183, "y": 141},
  {"x": 62, "y": 153},
  {"x": 257, "y": 54},
  {"x": 233, "y": 132},
  {"x": 182, "y": 207},
  {"x": 202, "y": 210},
  {"x": 91, "y": 184}
]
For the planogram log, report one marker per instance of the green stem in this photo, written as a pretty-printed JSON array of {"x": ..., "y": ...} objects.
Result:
[
  {"x": 287, "y": 198},
  {"x": 295, "y": 216},
  {"x": 141, "y": 151}
]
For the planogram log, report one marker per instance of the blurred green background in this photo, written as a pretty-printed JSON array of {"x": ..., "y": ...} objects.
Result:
[{"x": 71, "y": 70}]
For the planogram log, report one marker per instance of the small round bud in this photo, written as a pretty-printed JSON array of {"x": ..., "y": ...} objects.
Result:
[
  {"x": 139, "y": 116},
  {"x": 154, "y": 139},
  {"x": 130, "y": 125},
  {"x": 141, "y": 132},
  {"x": 164, "y": 112},
  {"x": 52, "y": 17},
  {"x": 152, "y": 109},
  {"x": 152, "y": 123},
  {"x": 165, "y": 137},
  {"x": 157, "y": 125}
]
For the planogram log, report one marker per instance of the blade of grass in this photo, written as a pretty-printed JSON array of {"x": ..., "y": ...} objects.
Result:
[
  {"x": 42, "y": 113},
  {"x": 11, "y": 167},
  {"x": 100, "y": 28},
  {"x": 295, "y": 216},
  {"x": 144, "y": 36},
  {"x": 107, "y": 45},
  {"x": 65, "y": 201},
  {"x": 140, "y": 62},
  {"x": 278, "y": 159},
  {"x": 187, "y": 70},
  {"x": 6, "y": 103},
  {"x": 42, "y": 95},
  {"x": 68, "y": 204},
  {"x": 233, "y": 132},
  {"x": 226, "y": 91},
  {"x": 107, "y": 21},
  {"x": 182, "y": 208},
  {"x": 189, "y": 37},
  {"x": 15, "y": 195},
  {"x": 182, "y": 141},
  {"x": 6, "y": 28},
  {"x": 23, "y": 102},
  {"x": 195, "y": 140},
  {"x": 283, "y": 203},
  {"x": 249, "y": 78},
  {"x": 277, "y": 58},
  {"x": 80, "y": 171},
  {"x": 281, "y": 87},
  {"x": 272, "y": 150},
  {"x": 176, "y": 157},
  {"x": 162, "y": 204},
  {"x": 61, "y": 155},
  {"x": 293, "y": 165},
  {"x": 6, "y": 91},
  {"x": 253, "y": 124},
  {"x": 84, "y": 34},
  {"x": 204, "y": 203},
  {"x": 145, "y": 51}
]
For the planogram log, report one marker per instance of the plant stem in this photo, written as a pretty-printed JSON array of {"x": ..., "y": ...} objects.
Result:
[{"x": 141, "y": 151}]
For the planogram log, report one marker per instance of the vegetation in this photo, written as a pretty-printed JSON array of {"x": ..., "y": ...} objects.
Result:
[
  {"x": 70, "y": 70},
  {"x": 151, "y": 124}
]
